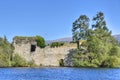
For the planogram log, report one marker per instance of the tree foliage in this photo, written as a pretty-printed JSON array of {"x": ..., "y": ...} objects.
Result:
[
  {"x": 6, "y": 50},
  {"x": 6, "y": 56},
  {"x": 4, "y": 60},
  {"x": 100, "y": 49},
  {"x": 40, "y": 41},
  {"x": 80, "y": 28}
]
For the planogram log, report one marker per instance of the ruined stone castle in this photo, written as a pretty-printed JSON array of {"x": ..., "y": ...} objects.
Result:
[{"x": 27, "y": 48}]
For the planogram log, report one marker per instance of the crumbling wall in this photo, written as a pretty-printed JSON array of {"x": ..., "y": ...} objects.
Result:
[{"x": 42, "y": 56}]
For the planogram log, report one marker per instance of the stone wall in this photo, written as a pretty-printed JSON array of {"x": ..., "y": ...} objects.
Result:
[{"x": 42, "y": 56}]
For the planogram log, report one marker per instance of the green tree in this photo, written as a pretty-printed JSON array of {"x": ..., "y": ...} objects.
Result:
[
  {"x": 100, "y": 22},
  {"x": 100, "y": 48},
  {"x": 40, "y": 41},
  {"x": 101, "y": 36},
  {"x": 115, "y": 51},
  {"x": 79, "y": 29},
  {"x": 100, "y": 28},
  {"x": 6, "y": 49},
  {"x": 112, "y": 61}
]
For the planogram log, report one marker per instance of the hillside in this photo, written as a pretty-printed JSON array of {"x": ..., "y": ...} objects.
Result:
[
  {"x": 117, "y": 37},
  {"x": 69, "y": 39},
  {"x": 65, "y": 39}
]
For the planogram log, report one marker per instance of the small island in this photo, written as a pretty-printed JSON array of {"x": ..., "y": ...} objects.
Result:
[{"x": 92, "y": 46}]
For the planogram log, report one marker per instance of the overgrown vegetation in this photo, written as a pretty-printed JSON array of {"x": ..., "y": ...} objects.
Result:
[
  {"x": 7, "y": 59},
  {"x": 56, "y": 44},
  {"x": 40, "y": 41},
  {"x": 6, "y": 51},
  {"x": 96, "y": 47},
  {"x": 18, "y": 61}
]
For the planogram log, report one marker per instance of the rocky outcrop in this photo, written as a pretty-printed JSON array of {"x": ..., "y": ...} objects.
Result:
[{"x": 27, "y": 48}]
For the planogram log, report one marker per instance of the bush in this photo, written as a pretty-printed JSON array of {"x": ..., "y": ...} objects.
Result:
[
  {"x": 40, "y": 41},
  {"x": 56, "y": 44},
  {"x": 31, "y": 63},
  {"x": 115, "y": 51},
  {"x": 4, "y": 60},
  {"x": 112, "y": 61},
  {"x": 18, "y": 61}
]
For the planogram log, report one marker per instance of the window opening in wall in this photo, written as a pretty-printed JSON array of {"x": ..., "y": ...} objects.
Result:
[{"x": 33, "y": 47}]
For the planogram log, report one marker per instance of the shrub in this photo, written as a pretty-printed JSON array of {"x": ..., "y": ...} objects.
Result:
[
  {"x": 112, "y": 61},
  {"x": 115, "y": 51},
  {"x": 40, "y": 41},
  {"x": 4, "y": 60},
  {"x": 31, "y": 63},
  {"x": 18, "y": 61},
  {"x": 56, "y": 44}
]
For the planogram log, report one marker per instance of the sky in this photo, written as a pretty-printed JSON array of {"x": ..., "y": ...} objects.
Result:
[{"x": 52, "y": 19}]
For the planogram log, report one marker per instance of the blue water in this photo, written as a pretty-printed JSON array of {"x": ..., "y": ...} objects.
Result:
[{"x": 59, "y": 74}]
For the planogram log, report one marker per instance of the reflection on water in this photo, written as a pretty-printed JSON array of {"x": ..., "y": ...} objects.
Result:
[{"x": 59, "y": 74}]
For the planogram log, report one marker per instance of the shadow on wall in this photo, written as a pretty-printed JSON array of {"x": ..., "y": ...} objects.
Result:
[{"x": 68, "y": 61}]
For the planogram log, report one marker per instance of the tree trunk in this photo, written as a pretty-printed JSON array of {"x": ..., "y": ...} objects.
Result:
[{"x": 78, "y": 45}]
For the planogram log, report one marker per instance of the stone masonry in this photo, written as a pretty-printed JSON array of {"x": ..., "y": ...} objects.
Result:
[{"x": 26, "y": 47}]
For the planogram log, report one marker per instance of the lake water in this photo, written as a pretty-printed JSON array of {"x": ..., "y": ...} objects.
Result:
[{"x": 59, "y": 74}]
